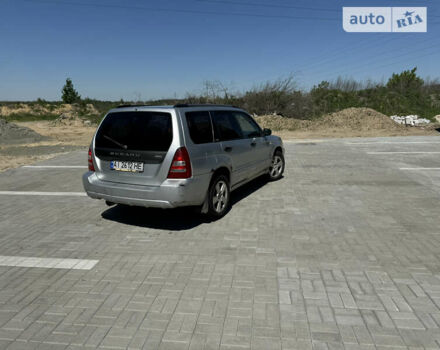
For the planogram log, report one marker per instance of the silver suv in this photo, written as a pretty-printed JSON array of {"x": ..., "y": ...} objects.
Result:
[{"x": 182, "y": 155}]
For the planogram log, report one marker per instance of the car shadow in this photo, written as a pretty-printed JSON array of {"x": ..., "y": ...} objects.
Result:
[{"x": 173, "y": 219}]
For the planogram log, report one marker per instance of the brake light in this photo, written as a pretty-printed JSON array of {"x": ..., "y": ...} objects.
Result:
[
  {"x": 90, "y": 161},
  {"x": 181, "y": 165}
]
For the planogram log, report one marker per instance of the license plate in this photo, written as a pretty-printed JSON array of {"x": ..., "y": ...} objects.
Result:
[{"x": 132, "y": 167}]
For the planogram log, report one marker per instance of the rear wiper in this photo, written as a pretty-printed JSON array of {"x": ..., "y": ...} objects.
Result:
[{"x": 115, "y": 142}]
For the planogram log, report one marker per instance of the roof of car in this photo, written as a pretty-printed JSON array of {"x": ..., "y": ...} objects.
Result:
[
  {"x": 179, "y": 105},
  {"x": 187, "y": 105},
  {"x": 152, "y": 106}
]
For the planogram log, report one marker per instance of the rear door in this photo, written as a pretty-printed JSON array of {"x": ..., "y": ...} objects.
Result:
[
  {"x": 201, "y": 146},
  {"x": 142, "y": 137}
]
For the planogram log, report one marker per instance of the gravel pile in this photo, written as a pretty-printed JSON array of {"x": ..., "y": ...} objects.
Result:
[
  {"x": 357, "y": 119},
  {"x": 70, "y": 119},
  {"x": 13, "y": 134}
]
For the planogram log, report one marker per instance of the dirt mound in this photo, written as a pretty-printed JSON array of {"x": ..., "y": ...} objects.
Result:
[
  {"x": 70, "y": 119},
  {"x": 36, "y": 109},
  {"x": 19, "y": 108},
  {"x": 39, "y": 109},
  {"x": 13, "y": 134},
  {"x": 91, "y": 109},
  {"x": 277, "y": 122},
  {"x": 358, "y": 119}
]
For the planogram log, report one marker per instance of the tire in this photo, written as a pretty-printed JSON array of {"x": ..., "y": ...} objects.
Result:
[
  {"x": 219, "y": 197},
  {"x": 276, "y": 170}
]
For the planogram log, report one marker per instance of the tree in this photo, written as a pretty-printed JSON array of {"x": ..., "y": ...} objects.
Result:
[
  {"x": 70, "y": 95},
  {"x": 406, "y": 83}
]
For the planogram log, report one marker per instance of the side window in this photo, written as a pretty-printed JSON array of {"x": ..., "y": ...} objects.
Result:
[
  {"x": 226, "y": 127},
  {"x": 200, "y": 127},
  {"x": 249, "y": 128}
]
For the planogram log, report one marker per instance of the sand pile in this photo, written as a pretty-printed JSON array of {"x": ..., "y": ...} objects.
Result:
[
  {"x": 357, "y": 119},
  {"x": 13, "y": 134},
  {"x": 41, "y": 109},
  {"x": 91, "y": 109},
  {"x": 70, "y": 119},
  {"x": 36, "y": 109},
  {"x": 277, "y": 122}
]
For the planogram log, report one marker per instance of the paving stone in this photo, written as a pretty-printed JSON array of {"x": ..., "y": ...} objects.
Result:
[{"x": 343, "y": 252}]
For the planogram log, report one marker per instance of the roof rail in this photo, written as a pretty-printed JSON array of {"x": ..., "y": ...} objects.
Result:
[
  {"x": 181, "y": 105},
  {"x": 123, "y": 106}
]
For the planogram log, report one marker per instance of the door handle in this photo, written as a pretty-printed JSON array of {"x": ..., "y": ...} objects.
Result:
[{"x": 228, "y": 149}]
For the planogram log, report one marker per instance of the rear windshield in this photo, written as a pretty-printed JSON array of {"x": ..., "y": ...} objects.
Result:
[{"x": 142, "y": 131}]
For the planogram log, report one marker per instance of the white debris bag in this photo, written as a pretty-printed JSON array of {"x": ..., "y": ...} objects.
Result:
[{"x": 411, "y": 120}]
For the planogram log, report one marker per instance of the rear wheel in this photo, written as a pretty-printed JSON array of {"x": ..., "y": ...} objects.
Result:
[
  {"x": 219, "y": 197},
  {"x": 277, "y": 167}
]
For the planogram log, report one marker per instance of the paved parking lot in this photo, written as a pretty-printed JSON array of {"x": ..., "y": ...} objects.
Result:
[{"x": 342, "y": 253}]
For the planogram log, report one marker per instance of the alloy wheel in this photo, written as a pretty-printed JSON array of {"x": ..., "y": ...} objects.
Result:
[
  {"x": 276, "y": 167},
  {"x": 220, "y": 197}
]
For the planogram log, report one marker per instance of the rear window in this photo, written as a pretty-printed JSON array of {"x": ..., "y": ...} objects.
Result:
[
  {"x": 249, "y": 128},
  {"x": 226, "y": 127},
  {"x": 142, "y": 131},
  {"x": 200, "y": 127}
]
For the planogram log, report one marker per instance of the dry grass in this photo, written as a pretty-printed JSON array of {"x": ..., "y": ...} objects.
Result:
[{"x": 41, "y": 109}]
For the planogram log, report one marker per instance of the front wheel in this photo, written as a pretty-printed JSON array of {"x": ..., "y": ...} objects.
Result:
[
  {"x": 276, "y": 169},
  {"x": 219, "y": 197}
]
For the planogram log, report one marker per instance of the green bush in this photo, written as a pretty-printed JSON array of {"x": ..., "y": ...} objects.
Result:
[{"x": 404, "y": 93}]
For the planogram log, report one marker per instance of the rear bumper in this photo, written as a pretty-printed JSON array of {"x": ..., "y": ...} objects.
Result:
[{"x": 171, "y": 193}]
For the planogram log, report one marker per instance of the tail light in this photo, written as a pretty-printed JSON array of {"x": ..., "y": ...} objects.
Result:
[
  {"x": 181, "y": 165},
  {"x": 90, "y": 159}
]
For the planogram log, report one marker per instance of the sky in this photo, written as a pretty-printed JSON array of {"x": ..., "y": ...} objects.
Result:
[{"x": 151, "y": 49}]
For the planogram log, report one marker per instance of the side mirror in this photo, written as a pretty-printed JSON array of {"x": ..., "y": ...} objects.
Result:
[{"x": 267, "y": 132}]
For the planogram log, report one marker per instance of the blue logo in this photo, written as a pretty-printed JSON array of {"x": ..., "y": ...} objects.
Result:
[
  {"x": 384, "y": 19},
  {"x": 409, "y": 19}
]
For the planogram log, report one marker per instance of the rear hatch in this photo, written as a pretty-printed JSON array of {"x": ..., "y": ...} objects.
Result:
[{"x": 137, "y": 141}]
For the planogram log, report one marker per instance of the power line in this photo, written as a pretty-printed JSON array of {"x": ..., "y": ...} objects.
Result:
[
  {"x": 241, "y": 3},
  {"x": 406, "y": 60},
  {"x": 159, "y": 9},
  {"x": 428, "y": 54},
  {"x": 379, "y": 55},
  {"x": 250, "y": 4},
  {"x": 310, "y": 67},
  {"x": 411, "y": 54},
  {"x": 335, "y": 54}
]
